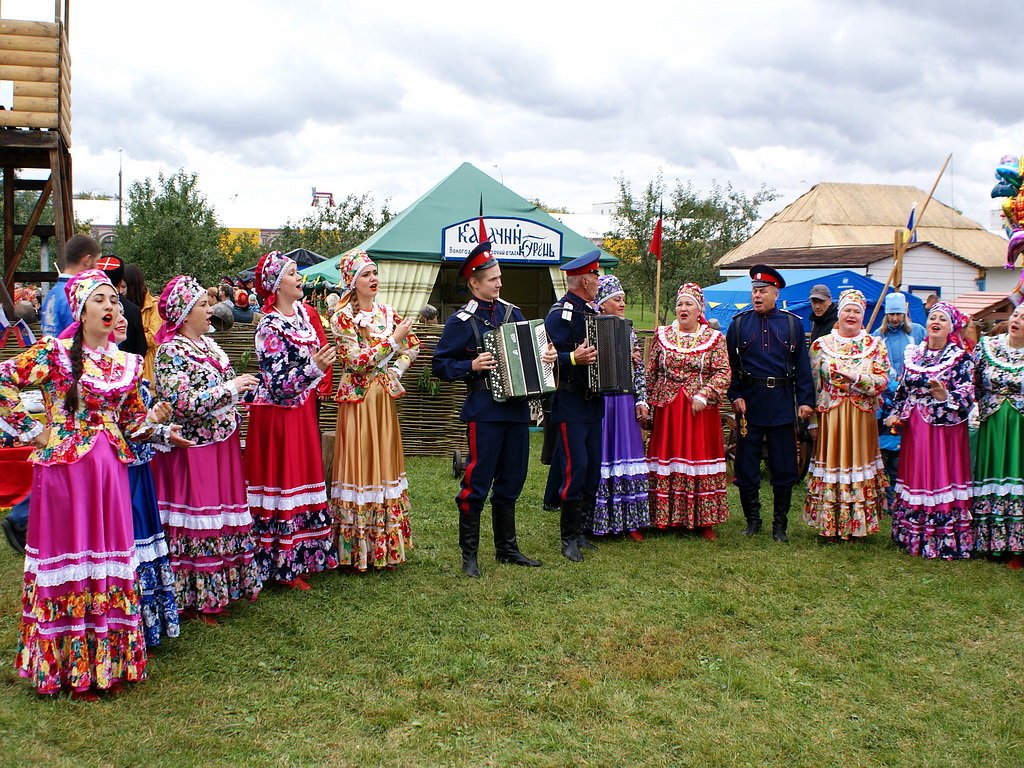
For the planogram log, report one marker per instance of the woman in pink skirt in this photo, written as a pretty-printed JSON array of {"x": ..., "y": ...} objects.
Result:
[
  {"x": 931, "y": 515},
  {"x": 80, "y": 627},
  {"x": 283, "y": 465},
  {"x": 201, "y": 489}
]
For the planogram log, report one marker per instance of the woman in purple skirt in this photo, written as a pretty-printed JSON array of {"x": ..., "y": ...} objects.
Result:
[{"x": 621, "y": 505}]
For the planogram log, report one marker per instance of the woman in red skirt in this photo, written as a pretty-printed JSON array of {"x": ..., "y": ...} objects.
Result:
[
  {"x": 687, "y": 377},
  {"x": 283, "y": 465}
]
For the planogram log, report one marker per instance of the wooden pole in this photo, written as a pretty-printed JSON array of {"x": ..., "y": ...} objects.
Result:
[
  {"x": 657, "y": 295},
  {"x": 900, "y": 248}
]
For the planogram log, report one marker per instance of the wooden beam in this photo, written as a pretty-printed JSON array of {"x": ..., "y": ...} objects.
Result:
[
  {"x": 37, "y": 90},
  {"x": 35, "y": 277},
  {"x": 59, "y": 196},
  {"x": 30, "y": 28},
  {"x": 8, "y": 219},
  {"x": 28, "y": 140},
  {"x": 30, "y": 226},
  {"x": 7, "y": 301},
  {"x": 30, "y": 74},
  {"x": 12, "y": 119},
  {"x": 35, "y": 104},
  {"x": 29, "y": 59},
  {"x": 40, "y": 230},
  {"x": 37, "y": 184},
  {"x": 25, "y": 43}
]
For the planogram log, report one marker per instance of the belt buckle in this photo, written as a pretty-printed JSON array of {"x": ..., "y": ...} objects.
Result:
[{"x": 771, "y": 382}]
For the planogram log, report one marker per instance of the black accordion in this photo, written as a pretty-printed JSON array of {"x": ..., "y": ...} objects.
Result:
[
  {"x": 520, "y": 372},
  {"x": 612, "y": 372}
]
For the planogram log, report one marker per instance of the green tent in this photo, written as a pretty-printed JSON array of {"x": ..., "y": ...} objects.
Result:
[{"x": 418, "y": 251}]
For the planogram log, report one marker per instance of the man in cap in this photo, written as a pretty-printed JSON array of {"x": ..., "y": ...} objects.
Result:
[
  {"x": 771, "y": 386},
  {"x": 498, "y": 433},
  {"x": 824, "y": 312},
  {"x": 575, "y": 413}
]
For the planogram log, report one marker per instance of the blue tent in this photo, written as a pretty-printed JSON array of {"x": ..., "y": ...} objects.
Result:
[{"x": 723, "y": 300}]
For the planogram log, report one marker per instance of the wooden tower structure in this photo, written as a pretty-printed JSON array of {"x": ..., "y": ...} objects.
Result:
[{"x": 35, "y": 132}]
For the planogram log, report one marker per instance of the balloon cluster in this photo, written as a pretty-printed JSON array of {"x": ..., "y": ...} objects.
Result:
[{"x": 1009, "y": 179}]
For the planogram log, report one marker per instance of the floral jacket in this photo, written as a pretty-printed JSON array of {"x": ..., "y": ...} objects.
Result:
[
  {"x": 285, "y": 347},
  {"x": 109, "y": 400},
  {"x": 863, "y": 357},
  {"x": 951, "y": 365},
  {"x": 373, "y": 356},
  {"x": 694, "y": 364},
  {"x": 998, "y": 375},
  {"x": 195, "y": 380}
]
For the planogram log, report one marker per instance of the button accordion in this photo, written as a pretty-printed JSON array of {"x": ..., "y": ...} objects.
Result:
[
  {"x": 612, "y": 372},
  {"x": 520, "y": 372}
]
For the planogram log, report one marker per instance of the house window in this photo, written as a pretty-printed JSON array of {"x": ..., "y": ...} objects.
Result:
[{"x": 924, "y": 291}]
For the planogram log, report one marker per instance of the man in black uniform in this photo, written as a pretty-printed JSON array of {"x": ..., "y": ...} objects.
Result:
[
  {"x": 771, "y": 385},
  {"x": 498, "y": 433},
  {"x": 575, "y": 412}
]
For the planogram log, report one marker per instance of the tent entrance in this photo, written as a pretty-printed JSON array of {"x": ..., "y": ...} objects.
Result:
[{"x": 529, "y": 288}]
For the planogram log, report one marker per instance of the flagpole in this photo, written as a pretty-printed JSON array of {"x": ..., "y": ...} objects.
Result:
[
  {"x": 656, "y": 248},
  {"x": 657, "y": 296},
  {"x": 899, "y": 250}
]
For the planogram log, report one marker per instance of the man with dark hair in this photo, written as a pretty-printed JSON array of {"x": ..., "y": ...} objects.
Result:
[
  {"x": 135, "y": 341},
  {"x": 80, "y": 254}
]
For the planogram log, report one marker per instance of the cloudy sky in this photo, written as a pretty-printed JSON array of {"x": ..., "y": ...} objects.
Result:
[{"x": 266, "y": 99}]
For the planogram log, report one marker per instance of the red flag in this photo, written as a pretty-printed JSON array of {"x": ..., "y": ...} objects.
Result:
[
  {"x": 483, "y": 230},
  {"x": 655, "y": 246}
]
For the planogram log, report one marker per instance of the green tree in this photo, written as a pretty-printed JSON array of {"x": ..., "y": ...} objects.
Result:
[
  {"x": 331, "y": 230},
  {"x": 172, "y": 230},
  {"x": 697, "y": 230}
]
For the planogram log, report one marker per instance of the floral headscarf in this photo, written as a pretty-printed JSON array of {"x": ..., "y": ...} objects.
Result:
[
  {"x": 269, "y": 272},
  {"x": 176, "y": 301},
  {"x": 696, "y": 293},
  {"x": 78, "y": 289},
  {"x": 852, "y": 296},
  {"x": 351, "y": 265},
  {"x": 608, "y": 286},
  {"x": 957, "y": 320}
]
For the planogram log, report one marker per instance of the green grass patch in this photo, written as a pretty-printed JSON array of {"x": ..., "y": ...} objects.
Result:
[{"x": 669, "y": 652}]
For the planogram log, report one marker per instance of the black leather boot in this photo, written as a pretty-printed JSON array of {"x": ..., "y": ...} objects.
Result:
[
  {"x": 750, "y": 500},
  {"x": 506, "y": 547},
  {"x": 570, "y": 526},
  {"x": 469, "y": 542},
  {"x": 587, "y": 504},
  {"x": 781, "y": 498}
]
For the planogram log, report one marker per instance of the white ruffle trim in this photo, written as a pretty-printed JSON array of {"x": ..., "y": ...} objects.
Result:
[
  {"x": 50, "y": 629},
  {"x": 277, "y": 499},
  {"x": 369, "y": 494},
  {"x": 624, "y": 469},
  {"x": 37, "y": 430},
  {"x": 83, "y": 571},
  {"x": 920, "y": 497},
  {"x": 847, "y": 475},
  {"x": 686, "y": 467},
  {"x": 204, "y": 518},
  {"x": 1009, "y": 486},
  {"x": 150, "y": 549},
  {"x": 32, "y": 556}
]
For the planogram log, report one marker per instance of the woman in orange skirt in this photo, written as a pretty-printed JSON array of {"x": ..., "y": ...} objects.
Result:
[
  {"x": 846, "y": 492},
  {"x": 369, "y": 488}
]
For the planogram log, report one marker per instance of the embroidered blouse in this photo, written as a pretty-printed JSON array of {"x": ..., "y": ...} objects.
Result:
[
  {"x": 951, "y": 365},
  {"x": 692, "y": 363},
  {"x": 639, "y": 379},
  {"x": 998, "y": 375},
  {"x": 368, "y": 352},
  {"x": 109, "y": 400},
  {"x": 285, "y": 346},
  {"x": 195, "y": 378},
  {"x": 861, "y": 357}
]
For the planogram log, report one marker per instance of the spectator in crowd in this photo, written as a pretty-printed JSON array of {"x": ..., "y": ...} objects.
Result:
[{"x": 823, "y": 311}]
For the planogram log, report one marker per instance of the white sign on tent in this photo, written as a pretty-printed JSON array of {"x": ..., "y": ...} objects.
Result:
[{"x": 516, "y": 241}]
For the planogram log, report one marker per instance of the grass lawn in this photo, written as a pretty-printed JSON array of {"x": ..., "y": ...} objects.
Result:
[{"x": 669, "y": 652}]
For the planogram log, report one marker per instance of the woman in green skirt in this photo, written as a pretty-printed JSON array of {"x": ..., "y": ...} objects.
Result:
[{"x": 998, "y": 506}]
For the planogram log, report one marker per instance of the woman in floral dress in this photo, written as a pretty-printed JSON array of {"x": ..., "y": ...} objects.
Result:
[
  {"x": 283, "y": 459},
  {"x": 931, "y": 515},
  {"x": 80, "y": 626},
  {"x": 369, "y": 488},
  {"x": 688, "y": 374},
  {"x": 846, "y": 491},
  {"x": 621, "y": 505},
  {"x": 998, "y": 504},
  {"x": 201, "y": 489}
]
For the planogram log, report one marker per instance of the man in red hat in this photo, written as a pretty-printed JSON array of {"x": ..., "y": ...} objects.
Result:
[{"x": 497, "y": 433}]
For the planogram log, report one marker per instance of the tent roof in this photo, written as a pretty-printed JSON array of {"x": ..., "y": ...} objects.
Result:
[
  {"x": 725, "y": 299},
  {"x": 831, "y": 214},
  {"x": 301, "y": 257},
  {"x": 415, "y": 233}
]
